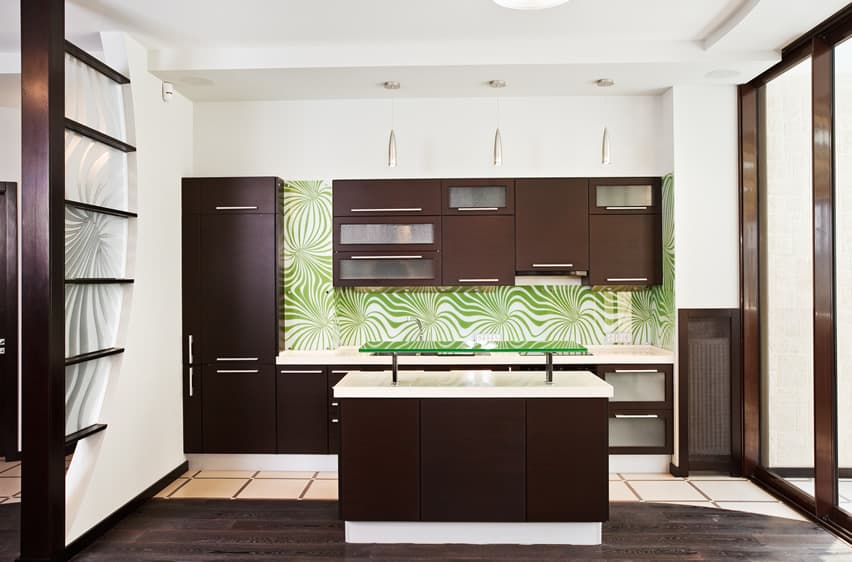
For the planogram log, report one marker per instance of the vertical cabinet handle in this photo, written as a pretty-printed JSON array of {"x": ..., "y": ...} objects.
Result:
[
  {"x": 191, "y": 386},
  {"x": 189, "y": 348}
]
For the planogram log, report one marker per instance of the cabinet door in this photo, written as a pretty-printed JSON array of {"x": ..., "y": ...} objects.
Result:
[
  {"x": 193, "y": 410},
  {"x": 479, "y": 250},
  {"x": 624, "y": 195},
  {"x": 369, "y": 234},
  {"x": 639, "y": 386},
  {"x": 193, "y": 307},
  {"x": 625, "y": 250},
  {"x": 302, "y": 410},
  {"x": 383, "y": 268},
  {"x": 473, "y": 459},
  {"x": 362, "y": 198},
  {"x": 239, "y": 408},
  {"x": 552, "y": 223},
  {"x": 567, "y": 442},
  {"x": 238, "y": 264},
  {"x": 478, "y": 197},
  {"x": 380, "y": 464},
  {"x": 239, "y": 195},
  {"x": 637, "y": 432},
  {"x": 336, "y": 373}
]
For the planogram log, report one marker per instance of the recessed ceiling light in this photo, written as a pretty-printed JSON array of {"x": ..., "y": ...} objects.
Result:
[
  {"x": 391, "y": 85},
  {"x": 722, "y": 73},
  {"x": 529, "y": 4},
  {"x": 605, "y": 82},
  {"x": 497, "y": 83}
]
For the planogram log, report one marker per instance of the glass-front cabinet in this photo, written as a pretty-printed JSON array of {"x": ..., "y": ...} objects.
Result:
[
  {"x": 624, "y": 195},
  {"x": 478, "y": 196},
  {"x": 387, "y": 233},
  {"x": 387, "y": 268}
]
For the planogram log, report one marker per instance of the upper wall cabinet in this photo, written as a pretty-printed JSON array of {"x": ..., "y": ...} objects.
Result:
[
  {"x": 254, "y": 195},
  {"x": 362, "y": 198},
  {"x": 625, "y": 250},
  {"x": 624, "y": 195},
  {"x": 353, "y": 234},
  {"x": 478, "y": 196},
  {"x": 479, "y": 250},
  {"x": 552, "y": 225}
]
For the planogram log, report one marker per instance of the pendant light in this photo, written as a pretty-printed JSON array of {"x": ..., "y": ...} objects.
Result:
[
  {"x": 497, "y": 158},
  {"x": 605, "y": 153},
  {"x": 392, "y": 85}
]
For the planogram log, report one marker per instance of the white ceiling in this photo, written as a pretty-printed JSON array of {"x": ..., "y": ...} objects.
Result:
[{"x": 293, "y": 49}]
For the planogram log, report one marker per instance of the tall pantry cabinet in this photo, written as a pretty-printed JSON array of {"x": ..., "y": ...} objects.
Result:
[{"x": 230, "y": 314}]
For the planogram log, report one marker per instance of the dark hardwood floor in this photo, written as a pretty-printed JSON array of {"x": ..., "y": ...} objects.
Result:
[{"x": 236, "y": 530}]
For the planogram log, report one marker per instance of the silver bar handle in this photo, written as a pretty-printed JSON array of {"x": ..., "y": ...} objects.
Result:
[
  {"x": 191, "y": 386},
  {"x": 477, "y": 208},
  {"x": 339, "y": 372},
  {"x": 636, "y": 416},
  {"x": 236, "y": 359},
  {"x": 317, "y": 372},
  {"x": 189, "y": 350},
  {"x": 387, "y": 257},
  {"x": 553, "y": 265},
  {"x": 236, "y": 371},
  {"x": 388, "y": 210},
  {"x": 335, "y": 404},
  {"x": 626, "y": 208},
  {"x": 624, "y": 279},
  {"x": 335, "y": 420},
  {"x": 479, "y": 280},
  {"x": 237, "y": 208},
  {"x": 635, "y": 371}
]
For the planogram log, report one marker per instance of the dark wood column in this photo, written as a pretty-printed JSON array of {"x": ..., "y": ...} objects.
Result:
[{"x": 42, "y": 270}]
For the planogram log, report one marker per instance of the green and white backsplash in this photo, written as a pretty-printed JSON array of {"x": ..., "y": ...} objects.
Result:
[{"x": 318, "y": 316}]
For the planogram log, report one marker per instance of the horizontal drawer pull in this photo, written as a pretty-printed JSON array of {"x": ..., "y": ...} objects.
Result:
[
  {"x": 386, "y": 257},
  {"x": 317, "y": 372},
  {"x": 238, "y": 208},
  {"x": 553, "y": 265},
  {"x": 636, "y": 371},
  {"x": 236, "y": 371},
  {"x": 334, "y": 404},
  {"x": 637, "y": 416},
  {"x": 339, "y": 372},
  {"x": 626, "y": 208},
  {"x": 623, "y": 279},
  {"x": 388, "y": 210},
  {"x": 477, "y": 208},
  {"x": 479, "y": 280},
  {"x": 236, "y": 359},
  {"x": 335, "y": 420}
]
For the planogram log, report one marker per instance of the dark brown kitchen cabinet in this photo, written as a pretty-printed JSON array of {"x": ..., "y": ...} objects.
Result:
[
  {"x": 380, "y": 464},
  {"x": 624, "y": 195},
  {"x": 479, "y": 250},
  {"x": 239, "y": 408},
  {"x": 302, "y": 416},
  {"x": 473, "y": 459},
  {"x": 478, "y": 196},
  {"x": 639, "y": 386},
  {"x": 193, "y": 409},
  {"x": 371, "y": 234},
  {"x": 335, "y": 373},
  {"x": 387, "y": 268},
  {"x": 551, "y": 225},
  {"x": 359, "y": 198},
  {"x": 238, "y": 288},
  {"x": 239, "y": 195},
  {"x": 192, "y": 302},
  {"x": 640, "y": 432},
  {"x": 625, "y": 249}
]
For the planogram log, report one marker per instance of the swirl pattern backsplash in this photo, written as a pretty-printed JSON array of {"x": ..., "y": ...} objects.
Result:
[{"x": 316, "y": 315}]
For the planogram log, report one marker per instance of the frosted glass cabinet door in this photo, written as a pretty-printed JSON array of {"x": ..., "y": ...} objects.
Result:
[
  {"x": 387, "y": 233},
  {"x": 640, "y": 433},
  {"x": 640, "y": 386},
  {"x": 465, "y": 197},
  {"x": 624, "y": 195},
  {"x": 380, "y": 269}
]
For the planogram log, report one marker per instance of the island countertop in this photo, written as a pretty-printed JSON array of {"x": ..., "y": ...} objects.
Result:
[{"x": 472, "y": 384}]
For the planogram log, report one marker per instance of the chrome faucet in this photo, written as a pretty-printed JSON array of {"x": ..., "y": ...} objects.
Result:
[{"x": 419, "y": 327}]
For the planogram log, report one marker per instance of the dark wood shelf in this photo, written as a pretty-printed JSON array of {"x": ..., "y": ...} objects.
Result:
[
  {"x": 99, "y": 209},
  {"x": 92, "y": 355},
  {"x": 95, "y": 63},
  {"x": 72, "y": 439},
  {"x": 98, "y": 136},
  {"x": 98, "y": 281}
]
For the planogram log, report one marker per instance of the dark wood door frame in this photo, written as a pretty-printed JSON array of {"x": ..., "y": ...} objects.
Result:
[
  {"x": 9, "y": 321},
  {"x": 42, "y": 274}
]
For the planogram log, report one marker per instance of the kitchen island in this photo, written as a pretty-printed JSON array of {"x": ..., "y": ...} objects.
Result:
[{"x": 473, "y": 457}]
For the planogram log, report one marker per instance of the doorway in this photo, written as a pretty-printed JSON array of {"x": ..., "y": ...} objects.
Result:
[{"x": 9, "y": 321}]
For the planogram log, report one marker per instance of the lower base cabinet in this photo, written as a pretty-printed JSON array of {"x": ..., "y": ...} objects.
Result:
[
  {"x": 239, "y": 409},
  {"x": 302, "y": 410}
]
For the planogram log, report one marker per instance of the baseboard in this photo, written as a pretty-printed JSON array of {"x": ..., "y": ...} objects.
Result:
[
  {"x": 76, "y": 546},
  {"x": 13, "y": 456},
  {"x": 675, "y": 470},
  {"x": 210, "y": 461}
]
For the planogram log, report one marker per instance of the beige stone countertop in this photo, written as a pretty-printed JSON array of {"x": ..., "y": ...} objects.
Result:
[{"x": 600, "y": 355}]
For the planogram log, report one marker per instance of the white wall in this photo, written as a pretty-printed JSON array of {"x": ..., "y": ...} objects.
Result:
[
  {"x": 142, "y": 402},
  {"x": 704, "y": 145},
  {"x": 437, "y": 137}
]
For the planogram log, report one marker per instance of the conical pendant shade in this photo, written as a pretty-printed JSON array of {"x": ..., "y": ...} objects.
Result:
[
  {"x": 392, "y": 150},
  {"x": 605, "y": 155},
  {"x": 498, "y": 149}
]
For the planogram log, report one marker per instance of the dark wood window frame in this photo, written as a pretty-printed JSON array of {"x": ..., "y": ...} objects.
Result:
[{"x": 818, "y": 44}]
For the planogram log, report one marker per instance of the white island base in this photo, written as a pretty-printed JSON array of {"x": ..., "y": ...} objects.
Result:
[{"x": 425, "y": 532}]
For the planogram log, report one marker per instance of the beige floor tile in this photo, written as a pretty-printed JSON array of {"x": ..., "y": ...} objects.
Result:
[
  {"x": 164, "y": 493},
  {"x": 12, "y": 500},
  {"x": 614, "y": 477},
  {"x": 673, "y": 490},
  {"x": 285, "y": 474},
  {"x": 12, "y": 473},
  {"x": 2, "y": 500},
  {"x": 733, "y": 491},
  {"x": 325, "y": 475},
  {"x": 775, "y": 509},
  {"x": 619, "y": 492},
  {"x": 693, "y": 504},
  {"x": 649, "y": 476},
  {"x": 278, "y": 489},
  {"x": 226, "y": 474},
  {"x": 210, "y": 488},
  {"x": 189, "y": 473},
  {"x": 722, "y": 477},
  {"x": 10, "y": 486},
  {"x": 4, "y": 466},
  {"x": 322, "y": 490}
]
